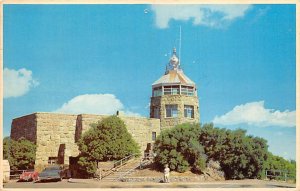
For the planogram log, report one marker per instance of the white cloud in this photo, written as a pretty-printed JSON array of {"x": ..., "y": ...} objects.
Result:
[
  {"x": 94, "y": 104},
  {"x": 17, "y": 82},
  {"x": 255, "y": 113},
  {"x": 208, "y": 15}
]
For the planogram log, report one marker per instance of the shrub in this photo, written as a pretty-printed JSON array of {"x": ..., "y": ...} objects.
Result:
[
  {"x": 108, "y": 140},
  {"x": 179, "y": 147},
  {"x": 240, "y": 156},
  {"x": 199, "y": 165},
  {"x": 20, "y": 153}
]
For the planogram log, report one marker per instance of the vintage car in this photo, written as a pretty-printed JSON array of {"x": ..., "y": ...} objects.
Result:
[
  {"x": 51, "y": 173},
  {"x": 30, "y": 175}
]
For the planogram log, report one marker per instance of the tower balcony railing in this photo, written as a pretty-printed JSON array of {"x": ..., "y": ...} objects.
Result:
[{"x": 174, "y": 90}]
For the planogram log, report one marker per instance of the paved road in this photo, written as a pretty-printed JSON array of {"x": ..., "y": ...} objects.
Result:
[{"x": 83, "y": 183}]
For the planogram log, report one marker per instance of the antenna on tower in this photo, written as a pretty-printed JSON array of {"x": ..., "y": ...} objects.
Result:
[{"x": 179, "y": 44}]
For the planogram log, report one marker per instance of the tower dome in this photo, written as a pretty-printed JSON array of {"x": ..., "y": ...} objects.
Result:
[{"x": 174, "y": 60}]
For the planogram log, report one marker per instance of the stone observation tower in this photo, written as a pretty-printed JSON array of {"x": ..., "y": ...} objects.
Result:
[{"x": 174, "y": 97}]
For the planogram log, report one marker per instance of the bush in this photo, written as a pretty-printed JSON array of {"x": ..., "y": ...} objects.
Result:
[
  {"x": 179, "y": 147},
  {"x": 20, "y": 153},
  {"x": 200, "y": 165},
  {"x": 108, "y": 140},
  {"x": 240, "y": 156}
]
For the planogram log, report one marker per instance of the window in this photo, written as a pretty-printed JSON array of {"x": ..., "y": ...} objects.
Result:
[
  {"x": 171, "y": 90},
  {"x": 52, "y": 160},
  {"x": 187, "y": 90},
  {"x": 156, "y": 112},
  {"x": 171, "y": 111},
  {"x": 153, "y": 136},
  {"x": 189, "y": 111},
  {"x": 157, "y": 92},
  {"x": 190, "y": 91},
  {"x": 167, "y": 90}
]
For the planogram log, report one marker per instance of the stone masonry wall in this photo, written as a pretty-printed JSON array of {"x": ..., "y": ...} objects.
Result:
[
  {"x": 141, "y": 129},
  {"x": 180, "y": 100},
  {"x": 24, "y": 127},
  {"x": 88, "y": 119},
  {"x": 56, "y": 134}
]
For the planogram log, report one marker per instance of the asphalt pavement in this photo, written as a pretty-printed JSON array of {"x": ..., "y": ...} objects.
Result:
[{"x": 90, "y": 183}]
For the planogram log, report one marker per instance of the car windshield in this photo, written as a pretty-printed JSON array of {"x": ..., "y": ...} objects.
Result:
[{"x": 49, "y": 173}]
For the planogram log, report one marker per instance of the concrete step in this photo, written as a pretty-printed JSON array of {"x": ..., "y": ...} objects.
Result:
[{"x": 134, "y": 163}]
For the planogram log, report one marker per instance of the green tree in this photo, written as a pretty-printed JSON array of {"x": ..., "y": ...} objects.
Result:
[
  {"x": 6, "y": 144},
  {"x": 20, "y": 153},
  {"x": 180, "y": 149},
  {"x": 240, "y": 156},
  {"x": 107, "y": 140}
]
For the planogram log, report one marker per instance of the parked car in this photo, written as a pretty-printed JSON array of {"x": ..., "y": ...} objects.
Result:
[
  {"x": 29, "y": 175},
  {"x": 53, "y": 173}
]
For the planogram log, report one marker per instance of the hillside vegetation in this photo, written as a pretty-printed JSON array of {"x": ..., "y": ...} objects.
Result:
[{"x": 191, "y": 146}]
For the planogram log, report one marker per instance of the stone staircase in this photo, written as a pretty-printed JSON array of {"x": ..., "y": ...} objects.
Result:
[{"x": 123, "y": 170}]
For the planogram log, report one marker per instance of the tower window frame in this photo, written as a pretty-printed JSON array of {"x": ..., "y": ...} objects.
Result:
[
  {"x": 172, "y": 90},
  {"x": 157, "y": 92},
  {"x": 187, "y": 90},
  {"x": 171, "y": 111},
  {"x": 189, "y": 111}
]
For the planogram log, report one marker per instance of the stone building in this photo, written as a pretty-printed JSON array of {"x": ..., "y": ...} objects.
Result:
[
  {"x": 56, "y": 135},
  {"x": 174, "y": 100}
]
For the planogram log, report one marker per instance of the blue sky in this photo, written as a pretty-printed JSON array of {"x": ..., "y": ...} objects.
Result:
[{"x": 103, "y": 58}]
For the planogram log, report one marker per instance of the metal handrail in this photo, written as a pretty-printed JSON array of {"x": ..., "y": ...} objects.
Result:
[
  {"x": 282, "y": 174},
  {"x": 111, "y": 170},
  {"x": 18, "y": 172},
  {"x": 143, "y": 161},
  {"x": 123, "y": 159},
  {"x": 131, "y": 170}
]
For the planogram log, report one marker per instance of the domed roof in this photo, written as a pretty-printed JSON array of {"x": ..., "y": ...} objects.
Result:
[{"x": 174, "y": 75}]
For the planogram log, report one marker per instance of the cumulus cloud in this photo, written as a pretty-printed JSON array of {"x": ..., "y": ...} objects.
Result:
[
  {"x": 17, "y": 82},
  {"x": 255, "y": 113},
  {"x": 207, "y": 15},
  {"x": 94, "y": 104}
]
